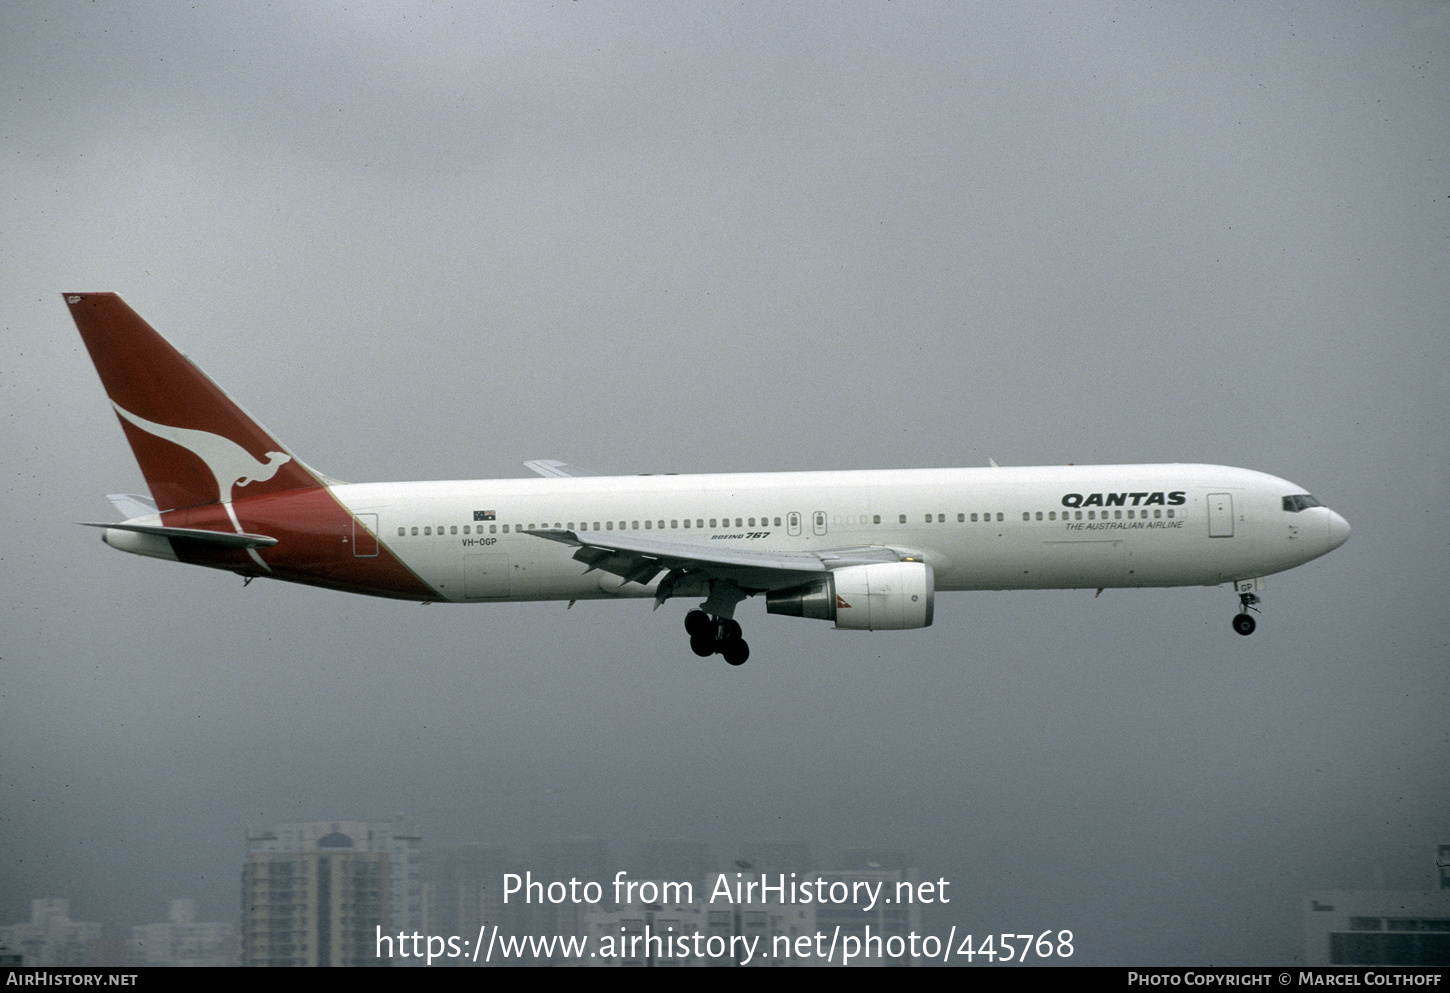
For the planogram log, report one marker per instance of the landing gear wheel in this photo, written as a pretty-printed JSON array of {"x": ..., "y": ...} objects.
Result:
[
  {"x": 698, "y": 624},
  {"x": 1244, "y": 623},
  {"x": 736, "y": 651},
  {"x": 714, "y": 635}
]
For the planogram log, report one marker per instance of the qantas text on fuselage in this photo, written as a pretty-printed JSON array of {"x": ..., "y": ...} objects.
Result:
[
  {"x": 865, "y": 550},
  {"x": 1176, "y": 498}
]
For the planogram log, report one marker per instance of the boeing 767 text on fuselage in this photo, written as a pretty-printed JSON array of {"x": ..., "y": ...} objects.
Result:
[{"x": 866, "y": 550}]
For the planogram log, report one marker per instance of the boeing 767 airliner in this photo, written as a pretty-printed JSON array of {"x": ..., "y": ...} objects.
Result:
[{"x": 867, "y": 551}]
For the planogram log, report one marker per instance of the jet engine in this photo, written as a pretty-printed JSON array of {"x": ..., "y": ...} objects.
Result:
[{"x": 882, "y": 596}]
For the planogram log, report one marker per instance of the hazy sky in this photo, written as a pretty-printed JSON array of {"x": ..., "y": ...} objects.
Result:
[{"x": 432, "y": 241}]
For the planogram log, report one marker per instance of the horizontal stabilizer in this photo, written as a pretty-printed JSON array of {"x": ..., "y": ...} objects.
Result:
[{"x": 225, "y": 539}]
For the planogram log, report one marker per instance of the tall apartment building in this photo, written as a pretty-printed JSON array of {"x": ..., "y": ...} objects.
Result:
[{"x": 315, "y": 894}]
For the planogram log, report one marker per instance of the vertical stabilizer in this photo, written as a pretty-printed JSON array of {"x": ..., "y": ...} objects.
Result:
[{"x": 195, "y": 446}]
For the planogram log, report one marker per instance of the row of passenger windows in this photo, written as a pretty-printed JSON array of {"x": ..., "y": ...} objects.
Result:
[
  {"x": 765, "y": 522},
  {"x": 1117, "y": 514},
  {"x": 1050, "y": 515},
  {"x": 740, "y": 522}
]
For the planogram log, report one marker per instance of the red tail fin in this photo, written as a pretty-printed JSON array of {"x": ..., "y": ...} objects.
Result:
[{"x": 195, "y": 445}]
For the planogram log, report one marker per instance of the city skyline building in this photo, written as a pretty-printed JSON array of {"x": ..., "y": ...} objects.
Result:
[
  {"x": 50, "y": 937},
  {"x": 317, "y": 893},
  {"x": 463, "y": 893},
  {"x": 183, "y": 941},
  {"x": 1381, "y": 927}
]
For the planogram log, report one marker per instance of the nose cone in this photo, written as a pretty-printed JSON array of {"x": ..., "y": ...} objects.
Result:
[{"x": 1338, "y": 530}]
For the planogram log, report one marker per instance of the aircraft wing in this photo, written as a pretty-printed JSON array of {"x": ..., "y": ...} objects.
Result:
[
  {"x": 640, "y": 559},
  {"x": 555, "y": 468}
]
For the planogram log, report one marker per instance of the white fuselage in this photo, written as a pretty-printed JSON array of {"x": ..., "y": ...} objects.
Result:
[{"x": 1053, "y": 527}]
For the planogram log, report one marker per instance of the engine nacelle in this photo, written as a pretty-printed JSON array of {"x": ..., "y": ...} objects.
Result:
[{"x": 883, "y": 596}]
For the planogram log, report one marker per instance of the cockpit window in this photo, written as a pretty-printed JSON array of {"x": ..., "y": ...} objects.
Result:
[{"x": 1298, "y": 502}]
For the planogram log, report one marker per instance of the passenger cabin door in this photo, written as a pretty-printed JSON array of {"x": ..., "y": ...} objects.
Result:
[
  {"x": 1220, "y": 515},
  {"x": 365, "y": 536}
]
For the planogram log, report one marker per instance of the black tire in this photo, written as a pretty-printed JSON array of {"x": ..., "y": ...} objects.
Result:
[
  {"x": 703, "y": 647},
  {"x": 729, "y": 630},
  {"x": 1244, "y": 624},
  {"x": 697, "y": 622},
  {"x": 736, "y": 651}
]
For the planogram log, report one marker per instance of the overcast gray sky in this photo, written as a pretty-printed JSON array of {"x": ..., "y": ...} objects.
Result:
[{"x": 435, "y": 240}]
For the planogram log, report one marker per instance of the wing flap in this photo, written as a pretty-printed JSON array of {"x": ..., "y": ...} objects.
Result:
[{"x": 639, "y": 559}]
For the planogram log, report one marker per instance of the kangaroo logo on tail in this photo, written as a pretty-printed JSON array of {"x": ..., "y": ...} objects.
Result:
[{"x": 230, "y": 463}]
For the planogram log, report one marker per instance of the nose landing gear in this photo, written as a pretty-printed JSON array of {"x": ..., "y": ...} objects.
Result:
[
  {"x": 716, "y": 635},
  {"x": 1244, "y": 622}
]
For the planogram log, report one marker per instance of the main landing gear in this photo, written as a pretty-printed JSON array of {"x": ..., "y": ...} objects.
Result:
[
  {"x": 1244, "y": 622},
  {"x": 716, "y": 635}
]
